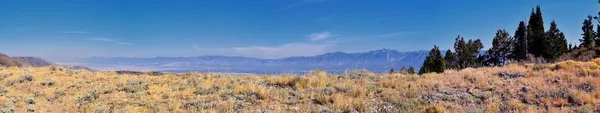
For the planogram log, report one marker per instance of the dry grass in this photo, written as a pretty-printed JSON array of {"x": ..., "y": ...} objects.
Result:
[{"x": 562, "y": 87}]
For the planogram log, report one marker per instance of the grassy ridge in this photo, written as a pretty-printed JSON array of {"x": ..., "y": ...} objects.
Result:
[{"x": 562, "y": 87}]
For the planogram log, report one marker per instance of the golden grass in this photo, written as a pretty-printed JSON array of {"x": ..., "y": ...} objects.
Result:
[{"x": 567, "y": 86}]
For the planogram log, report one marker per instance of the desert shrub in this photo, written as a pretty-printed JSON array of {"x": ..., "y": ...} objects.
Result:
[
  {"x": 539, "y": 67},
  {"x": 25, "y": 78},
  {"x": 206, "y": 91},
  {"x": 322, "y": 99},
  {"x": 31, "y": 108},
  {"x": 9, "y": 105},
  {"x": 577, "y": 97},
  {"x": 57, "y": 95},
  {"x": 197, "y": 105},
  {"x": 435, "y": 109},
  {"x": 30, "y": 99},
  {"x": 3, "y": 91},
  {"x": 511, "y": 105},
  {"x": 411, "y": 105},
  {"x": 5, "y": 76},
  {"x": 476, "y": 110},
  {"x": 47, "y": 82},
  {"x": 354, "y": 74},
  {"x": 283, "y": 81},
  {"x": 329, "y": 90},
  {"x": 589, "y": 87},
  {"x": 103, "y": 109},
  {"x": 88, "y": 97},
  {"x": 317, "y": 79},
  {"x": 585, "y": 109},
  {"x": 133, "y": 86},
  {"x": 252, "y": 90},
  {"x": 348, "y": 104},
  {"x": 195, "y": 82}
]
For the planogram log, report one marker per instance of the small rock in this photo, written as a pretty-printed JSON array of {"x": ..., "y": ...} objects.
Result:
[{"x": 524, "y": 89}]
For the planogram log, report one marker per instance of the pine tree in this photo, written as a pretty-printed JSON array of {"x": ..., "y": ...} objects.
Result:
[
  {"x": 434, "y": 62},
  {"x": 450, "y": 60},
  {"x": 555, "y": 43},
  {"x": 501, "y": 49},
  {"x": 588, "y": 33},
  {"x": 392, "y": 71},
  {"x": 402, "y": 70},
  {"x": 467, "y": 52},
  {"x": 461, "y": 52},
  {"x": 536, "y": 33},
  {"x": 598, "y": 34},
  {"x": 411, "y": 70},
  {"x": 520, "y": 45}
]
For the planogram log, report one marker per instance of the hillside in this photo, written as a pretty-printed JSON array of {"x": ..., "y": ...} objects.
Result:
[
  {"x": 337, "y": 62},
  {"x": 34, "y": 61},
  {"x": 8, "y": 61},
  {"x": 562, "y": 87},
  {"x": 581, "y": 54}
]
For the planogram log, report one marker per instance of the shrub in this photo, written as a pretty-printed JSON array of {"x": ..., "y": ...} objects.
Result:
[
  {"x": 25, "y": 78},
  {"x": 435, "y": 109},
  {"x": 133, "y": 86},
  {"x": 47, "y": 82},
  {"x": 88, "y": 97},
  {"x": 283, "y": 81},
  {"x": 3, "y": 91},
  {"x": 206, "y": 91}
]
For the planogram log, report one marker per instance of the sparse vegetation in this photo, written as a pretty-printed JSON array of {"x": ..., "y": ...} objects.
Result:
[{"x": 568, "y": 86}]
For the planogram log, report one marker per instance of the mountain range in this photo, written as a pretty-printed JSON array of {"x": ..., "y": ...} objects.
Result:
[{"x": 336, "y": 62}]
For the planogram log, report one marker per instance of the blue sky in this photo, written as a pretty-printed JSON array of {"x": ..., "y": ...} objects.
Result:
[{"x": 262, "y": 28}]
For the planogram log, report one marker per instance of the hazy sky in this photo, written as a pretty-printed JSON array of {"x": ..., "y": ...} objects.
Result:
[{"x": 263, "y": 28}]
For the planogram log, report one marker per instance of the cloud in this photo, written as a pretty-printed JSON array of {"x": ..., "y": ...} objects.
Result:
[
  {"x": 110, "y": 41},
  {"x": 124, "y": 43},
  {"x": 396, "y": 34},
  {"x": 196, "y": 47},
  {"x": 102, "y": 39},
  {"x": 320, "y": 36},
  {"x": 285, "y": 50},
  {"x": 74, "y": 32}
]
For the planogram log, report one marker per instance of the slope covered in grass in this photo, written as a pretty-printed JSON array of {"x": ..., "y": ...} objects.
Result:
[{"x": 562, "y": 87}]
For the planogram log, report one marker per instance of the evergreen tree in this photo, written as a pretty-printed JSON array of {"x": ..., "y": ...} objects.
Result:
[
  {"x": 459, "y": 49},
  {"x": 556, "y": 43},
  {"x": 501, "y": 49},
  {"x": 520, "y": 45},
  {"x": 467, "y": 52},
  {"x": 403, "y": 69},
  {"x": 411, "y": 70},
  {"x": 392, "y": 71},
  {"x": 598, "y": 34},
  {"x": 450, "y": 60},
  {"x": 535, "y": 34},
  {"x": 588, "y": 33},
  {"x": 434, "y": 62}
]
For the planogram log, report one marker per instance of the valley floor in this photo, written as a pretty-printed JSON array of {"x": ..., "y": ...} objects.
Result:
[{"x": 562, "y": 87}]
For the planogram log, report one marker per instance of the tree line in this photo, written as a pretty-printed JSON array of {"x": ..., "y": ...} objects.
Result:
[{"x": 530, "y": 40}]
